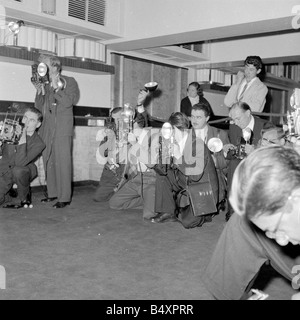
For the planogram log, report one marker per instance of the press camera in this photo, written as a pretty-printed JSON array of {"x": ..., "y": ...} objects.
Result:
[
  {"x": 11, "y": 131},
  {"x": 40, "y": 74}
]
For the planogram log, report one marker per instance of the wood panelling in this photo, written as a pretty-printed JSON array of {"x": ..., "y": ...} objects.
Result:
[{"x": 131, "y": 74}]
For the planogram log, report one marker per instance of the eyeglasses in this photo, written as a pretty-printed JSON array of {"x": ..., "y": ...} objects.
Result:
[
  {"x": 281, "y": 215},
  {"x": 269, "y": 141},
  {"x": 278, "y": 223}
]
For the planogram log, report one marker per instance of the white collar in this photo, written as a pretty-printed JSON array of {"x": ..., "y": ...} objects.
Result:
[{"x": 251, "y": 124}]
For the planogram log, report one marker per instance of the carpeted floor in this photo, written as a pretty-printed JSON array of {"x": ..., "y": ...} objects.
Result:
[{"x": 88, "y": 252}]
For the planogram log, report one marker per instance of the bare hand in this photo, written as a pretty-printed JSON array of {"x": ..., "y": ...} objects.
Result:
[
  {"x": 142, "y": 96},
  {"x": 23, "y": 136},
  {"x": 228, "y": 147},
  {"x": 39, "y": 87},
  {"x": 249, "y": 148},
  {"x": 239, "y": 77}
]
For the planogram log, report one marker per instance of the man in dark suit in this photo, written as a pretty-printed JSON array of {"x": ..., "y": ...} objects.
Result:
[
  {"x": 17, "y": 161},
  {"x": 245, "y": 130},
  {"x": 200, "y": 116},
  {"x": 55, "y": 100},
  {"x": 193, "y": 163}
]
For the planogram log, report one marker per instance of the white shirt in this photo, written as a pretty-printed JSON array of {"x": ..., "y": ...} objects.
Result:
[
  {"x": 194, "y": 100},
  {"x": 202, "y": 133},
  {"x": 250, "y": 125}
]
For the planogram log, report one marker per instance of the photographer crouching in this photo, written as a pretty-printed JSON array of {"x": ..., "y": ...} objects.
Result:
[{"x": 17, "y": 159}]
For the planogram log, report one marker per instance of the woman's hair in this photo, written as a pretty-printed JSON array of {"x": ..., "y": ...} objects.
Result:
[
  {"x": 263, "y": 182},
  {"x": 179, "y": 120},
  {"x": 198, "y": 88}
]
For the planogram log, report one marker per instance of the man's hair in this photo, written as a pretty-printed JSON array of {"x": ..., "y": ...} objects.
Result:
[
  {"x": 241, "y": 105},
  {"x": 263, "y": 182},
  {"x": 36, "y": 111},
  {"x": 278, "y": 132},
  {"x": 202, "y": 106},
  {"x": 54, "y": 61},
  {"x": 255, "y": 60},
  {"x": 179, "y": 120}
]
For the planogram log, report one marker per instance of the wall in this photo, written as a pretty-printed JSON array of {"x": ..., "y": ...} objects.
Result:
[
  {"x": 131, "y": 74},
  {"x": 216, "y": 100},
  {"x": 31, "y": 10},
  {"x": 15, "y": 85}
]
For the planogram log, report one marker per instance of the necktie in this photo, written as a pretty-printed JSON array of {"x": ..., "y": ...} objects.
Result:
[{"x": 242, "y": 93}]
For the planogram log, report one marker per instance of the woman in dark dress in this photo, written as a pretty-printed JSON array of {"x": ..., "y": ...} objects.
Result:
[{"x": 194, "y": 96}]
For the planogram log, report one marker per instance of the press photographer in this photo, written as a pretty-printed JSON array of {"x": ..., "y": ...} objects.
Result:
[
  {"x": 55, "y": 100},
  {"x": 18, "y": 157}
]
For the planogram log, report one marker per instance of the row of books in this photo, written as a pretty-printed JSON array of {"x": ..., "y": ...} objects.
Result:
[{"x": 290, "y": 71}]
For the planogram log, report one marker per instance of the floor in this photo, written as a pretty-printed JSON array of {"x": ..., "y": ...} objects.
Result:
[{"x": 88, "y": 252}]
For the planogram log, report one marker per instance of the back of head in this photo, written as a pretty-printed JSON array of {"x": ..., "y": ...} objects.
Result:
[
  {"x": 263, "y": 182},
  {"x": 179, "y": 120}
]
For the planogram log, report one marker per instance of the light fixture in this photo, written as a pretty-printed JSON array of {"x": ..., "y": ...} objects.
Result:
[{"x": 14, "y": 27}]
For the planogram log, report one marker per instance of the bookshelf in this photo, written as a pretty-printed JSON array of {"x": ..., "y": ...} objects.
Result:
[{"x": 280, "y": 78}]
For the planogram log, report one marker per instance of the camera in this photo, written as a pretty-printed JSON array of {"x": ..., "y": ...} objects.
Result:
[
  {"x": 39, "y": 74},
  {"x": 11, "y": 131}
]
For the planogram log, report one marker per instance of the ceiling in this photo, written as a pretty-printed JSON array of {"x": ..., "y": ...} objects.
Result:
[{"x": 167, "y": 48}]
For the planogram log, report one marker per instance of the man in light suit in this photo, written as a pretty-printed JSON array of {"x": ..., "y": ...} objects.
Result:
[
  {"x": 248, "y": 87},
  {"x": 243, "y": 121}
]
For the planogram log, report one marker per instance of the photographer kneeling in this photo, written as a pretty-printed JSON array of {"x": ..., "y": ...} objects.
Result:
[{"x": 17, "y": 160}]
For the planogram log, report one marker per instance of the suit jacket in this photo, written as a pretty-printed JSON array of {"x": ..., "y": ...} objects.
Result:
[
  {"x": 57, "y": 109},
  {"x": 214, "y": 132},
  {"x": 235, "y": 132},
  {"x": 197, "y": 163},
  {"x": 21, "y": 155},
  {"x": 186, "y": 106},
  {"x": 254, "y": 96}
]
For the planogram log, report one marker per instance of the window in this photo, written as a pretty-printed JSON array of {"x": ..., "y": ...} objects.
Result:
[{"x": 89, "y": 10}]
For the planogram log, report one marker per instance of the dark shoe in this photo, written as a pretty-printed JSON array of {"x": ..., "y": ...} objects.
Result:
[
  {"x": 48, "y": 200},
  {"x": 12, "y": 206},
  {"x": 164, "y": 217},
  {"x": 228, "y": 215},
  {"x": 206, "y": 218},
  {"x": 24, "y": 204},
  {"x": 60, "y": 205}
]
